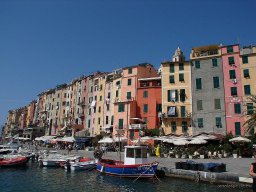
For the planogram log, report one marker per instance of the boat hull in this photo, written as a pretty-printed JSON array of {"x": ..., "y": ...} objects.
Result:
[
  {"x": 138, "y": 170},
  {"x": 13, "y": 162}
]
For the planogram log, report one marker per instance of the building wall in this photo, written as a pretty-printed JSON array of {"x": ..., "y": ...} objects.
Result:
[
  {"x": 208, "y": 93},
  {"x": 230, "y": 101}
]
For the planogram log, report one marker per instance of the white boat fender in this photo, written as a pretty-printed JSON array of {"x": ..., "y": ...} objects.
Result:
[{"x": 102, "y": 169}]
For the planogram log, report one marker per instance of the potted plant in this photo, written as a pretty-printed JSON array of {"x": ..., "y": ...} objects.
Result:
[
  {"x": 235, "y": 153},
  {"x": 177, "y": 153},
  {"x": 191, "y": 152},
  {"x": 202, "y": 151},
  {"x": 227, "y": 149}
]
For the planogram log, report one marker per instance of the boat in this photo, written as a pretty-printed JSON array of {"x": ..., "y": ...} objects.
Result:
[
  {"x": 13, "y": 161},
  {"x": 135, "y": 164},
  {"x": 88, "y": 165},
  {"x": 56, "y": 160}
]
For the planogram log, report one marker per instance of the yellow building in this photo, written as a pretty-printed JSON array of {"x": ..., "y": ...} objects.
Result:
[
  {"x": 248, "y": 71},
  {"x": 176, "y": 95}
]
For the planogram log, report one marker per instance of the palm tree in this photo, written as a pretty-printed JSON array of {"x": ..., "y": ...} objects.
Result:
[{"x": 250, "y": 113}]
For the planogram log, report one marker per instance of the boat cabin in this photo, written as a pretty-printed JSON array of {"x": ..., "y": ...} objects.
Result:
[{"x": 135, "y": 155}]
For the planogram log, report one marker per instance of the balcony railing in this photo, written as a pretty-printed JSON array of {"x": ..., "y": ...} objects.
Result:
[{"x": 137, "y": 126}]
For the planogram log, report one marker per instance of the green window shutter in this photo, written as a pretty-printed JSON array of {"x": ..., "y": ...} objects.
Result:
[
  {"x": 145, "y": 94},
  {"x": 184, "y": 125},
  {"x": 173, "y": 125},
  {"x": 198, "y": 83},
  {"x": 250, "y": 109},
  {"x": 176, "y": 95},
  {"x": 106, "y": 119},
  {"x": 230, "y": 49},
  {"x": 237, "y": 108},
  {"x": 246, "y": 73},
  {"x": 169, "y": 95},
  {"x": 172, "y": 80},
  {"x": 89, "y": 123},
  {"x": 216, "y": 83},
  {"x": 130, "y": 71},
  {"x": 171, "y": 68},
  {"x": 199, "y": 104},
  {"x": 247, "y": 89},
  {"x": 237, "y": 128},
  {"x": 245, "y": 59},
  {"x": 182, "y": 111},
  {"x": 182, "y": 95},
  {"x": 233, "y": 91},
  {"x": 98, "y": 120},
  {"x": 232, "y": 74},
  {"x": 120, "y": 123},
  {"x": 145, "y": 108},
  {"x": 217, "y": 104},
  {"x": 112, "y": 120},
  {"x": 218, "y": 122},
  {"x": 181, "y": 77},
  {"x": 214, "y": 62},
  {"x": 128, "y": 95},
  {"x": 121, "y": 107},
  {"x": 116, "y": 93},
  {"x": 200, "y": 122},
  {"x": 181, "y": 66},
  {"x": 231, "y": 60},
  {"x": 129, "y": 82},
  {"x": 197, "y": 64}
]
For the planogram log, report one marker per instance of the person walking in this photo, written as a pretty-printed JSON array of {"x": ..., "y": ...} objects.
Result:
[
  {"x": 253, "y": 172},
  {"x": 158, "y": 151}
]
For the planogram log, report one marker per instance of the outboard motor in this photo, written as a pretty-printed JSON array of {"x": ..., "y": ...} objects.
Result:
[{"x": 98, "y": 154}]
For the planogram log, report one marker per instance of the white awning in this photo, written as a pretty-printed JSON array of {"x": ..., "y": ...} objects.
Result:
[
  {"x": 122, "y": 139},
  {"x": 106, "y": 140}
]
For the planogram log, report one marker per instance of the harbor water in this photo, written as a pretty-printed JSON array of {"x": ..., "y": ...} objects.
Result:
[{"x": 33, "y": 178}]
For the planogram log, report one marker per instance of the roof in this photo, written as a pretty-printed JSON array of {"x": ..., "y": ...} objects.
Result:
[
  {"x": 150, "y": 78},
  {"x": 139, "y": 65}
]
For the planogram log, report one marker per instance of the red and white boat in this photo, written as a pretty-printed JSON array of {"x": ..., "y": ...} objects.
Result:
[{"x": 13, "y": 161}]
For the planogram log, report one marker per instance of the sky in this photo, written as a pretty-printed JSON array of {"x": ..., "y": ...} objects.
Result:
[{"x": 44, "y": 43}]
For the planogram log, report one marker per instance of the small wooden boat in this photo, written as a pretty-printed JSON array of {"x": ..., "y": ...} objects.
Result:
[
  {"x": 13, "y": 161},
  {"x": 135, "y": 164}
]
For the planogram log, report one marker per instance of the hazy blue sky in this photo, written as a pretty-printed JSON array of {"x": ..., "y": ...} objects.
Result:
[{"x": 49, "y": 42}]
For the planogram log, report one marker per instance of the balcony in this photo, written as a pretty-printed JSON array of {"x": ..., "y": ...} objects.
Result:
[{"x": 137, "y": 126}]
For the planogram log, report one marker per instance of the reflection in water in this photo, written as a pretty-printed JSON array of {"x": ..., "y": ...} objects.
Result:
[{"x": 34, "y": 179}]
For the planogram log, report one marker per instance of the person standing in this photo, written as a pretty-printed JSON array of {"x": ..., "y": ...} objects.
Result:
[
  {"x": 158, "y": 151},
  {"x": 253, "y": 173}
]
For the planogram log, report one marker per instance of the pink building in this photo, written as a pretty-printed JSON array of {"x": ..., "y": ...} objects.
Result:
[
  {"x": 125, "y": 104},
  {"x": 233, "y": 89}
]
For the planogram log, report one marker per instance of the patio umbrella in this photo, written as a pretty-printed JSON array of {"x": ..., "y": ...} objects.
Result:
[
  {"x": 197, "y": 141},
  {"x": 180, "y": 142},
  {"x": 121, "y": 139},
  {"x": 68, "y": 139},
  {"x": 146, "y": 138},
  {"x": 240, "y": 140},
  {"x": 106, "y": 140}
]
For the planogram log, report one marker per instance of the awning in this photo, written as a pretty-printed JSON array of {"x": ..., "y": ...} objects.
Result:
[
  {"x": 106, "y": 140},
  {"x": 68, "y": 139},
  {"x": 121, "y": 139},
  {"x": 45, "y": 138}
]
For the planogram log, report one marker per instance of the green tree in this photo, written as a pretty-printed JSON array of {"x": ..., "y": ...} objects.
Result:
[{"x": 250, "y": 123}]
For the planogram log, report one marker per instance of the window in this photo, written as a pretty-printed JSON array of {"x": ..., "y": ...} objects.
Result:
[
  {"x": 98, "y": 120},
  {"x": 181, "y": 77},
  {"x": 181, "y": 66},
  {"x": 173, "y": 125},
  {"x": 184, "y": 125},
  {"x": 121, "y": 107},
  {"x": 250, "y": 108},
  {"x": 198, "y": 83},
  {"x": 182, "y": 111},
  {"x": 172, "y": 95},
  {"x": 129, "y": 82},
  {"x": 217, "y": 104},
  {"x": 145, "y": 108},
  {"x": 182, "y": 95},
  {"x": 216, "y": 82},
  {"x": 245, "y": 59},
  {"x": 197, "y": 64},
  {"x": 218, "y": 122},
  {"x": 231, "y": 60},
  {"x": 90, "y": 111},
  {"x": 237, "y": 128},
  {"x": 159, "y": 107},
  {"x": 106, "y": 120},
  {"x": 130, "y": 71},
  {"x": 172, "y": 80},
  {"x": 246, "y": 73},
  {"x": 99, "y": 110},
  {"x": 199, "y": 104},
  {"x": 214, "y": 62},
  {"x": 120, "y": 123},
  {"x": 137, "y": 153},
  {"x": 131, "y": 134},
  {"x": 112, "y": 120},
  {"x": 128, "y": 95},
  {"x": 171, "y": 111},
  {"x": 116, "y": 93},
  {"x": 171, "y": 68},
  {"x": 247, "y": 89},
  {"x": 100, "y": 98},
  {"x": 145, "y": 94},
  {"x": 89, "y": 123},
  {"x": 230, "y": 49},
  {"x": 200, "y": 122},
  {"x": 130, "y": 152},
  {"x": 233, "y": 91},
  {"x": 237, "y": 108},
  {"x": 232, "y": 74}
]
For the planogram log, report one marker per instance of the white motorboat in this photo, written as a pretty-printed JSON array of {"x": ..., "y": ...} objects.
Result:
[
  {"x": 86, "y": 165},
  {"x": 56, "y": 160}
]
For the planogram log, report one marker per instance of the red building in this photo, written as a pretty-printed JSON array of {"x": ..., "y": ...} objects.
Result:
[{"x": 149, "y": 106}]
